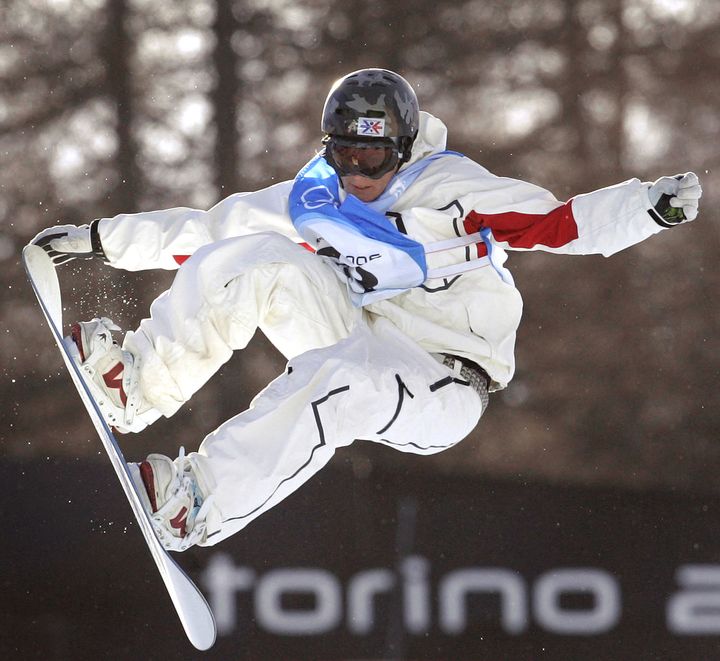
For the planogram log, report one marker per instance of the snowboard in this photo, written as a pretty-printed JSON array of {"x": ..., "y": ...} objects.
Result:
[{"x": 193, "y": 610}]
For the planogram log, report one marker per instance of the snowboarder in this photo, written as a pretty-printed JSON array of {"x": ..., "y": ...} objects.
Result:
[{"x": 378, "y": 272}]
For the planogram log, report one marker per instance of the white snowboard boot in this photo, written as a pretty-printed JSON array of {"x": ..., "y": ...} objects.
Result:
[
  {"x": 170, "y": 493},
  {"x": 109, "y": 372}
]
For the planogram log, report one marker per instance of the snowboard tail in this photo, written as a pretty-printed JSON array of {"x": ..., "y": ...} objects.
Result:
[{"x": 193, "y": 610}]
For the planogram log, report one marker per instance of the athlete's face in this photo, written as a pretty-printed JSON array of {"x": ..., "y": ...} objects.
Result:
[{"x": 364, "y": 188}]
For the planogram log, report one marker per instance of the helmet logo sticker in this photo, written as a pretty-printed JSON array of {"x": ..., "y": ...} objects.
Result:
[{"x": 371, "y": 127}]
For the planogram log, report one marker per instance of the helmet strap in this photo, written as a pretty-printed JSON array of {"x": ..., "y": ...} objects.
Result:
[{"x": 405, "y": 149}]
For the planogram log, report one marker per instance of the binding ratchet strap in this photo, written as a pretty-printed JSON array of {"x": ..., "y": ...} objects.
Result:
[{"x": 131, "y": 385}]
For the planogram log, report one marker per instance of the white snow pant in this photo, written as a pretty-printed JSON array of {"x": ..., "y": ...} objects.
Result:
[{"x": 350, "y": 375}]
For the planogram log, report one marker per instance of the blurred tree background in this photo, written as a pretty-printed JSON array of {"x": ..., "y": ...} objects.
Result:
[{"x": 112, "y": 106}]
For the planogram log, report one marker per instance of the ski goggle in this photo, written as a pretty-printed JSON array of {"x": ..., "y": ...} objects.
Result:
[{"x": 371, "y": 158}]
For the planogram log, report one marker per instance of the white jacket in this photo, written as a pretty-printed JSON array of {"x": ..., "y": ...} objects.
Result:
[{"x": 474, "y": 313}]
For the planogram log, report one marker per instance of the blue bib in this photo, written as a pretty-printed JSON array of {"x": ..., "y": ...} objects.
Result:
[{"x": 377, "y": 260}]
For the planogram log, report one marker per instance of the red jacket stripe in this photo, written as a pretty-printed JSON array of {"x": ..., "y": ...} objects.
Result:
[{"x": 525, "y": 230}]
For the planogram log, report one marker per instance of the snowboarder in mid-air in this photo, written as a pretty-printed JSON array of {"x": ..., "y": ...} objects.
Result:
[{"x": 379, "y": 274}]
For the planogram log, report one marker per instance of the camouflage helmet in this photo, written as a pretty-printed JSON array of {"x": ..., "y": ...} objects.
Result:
[{"x": 371, "y": 103}]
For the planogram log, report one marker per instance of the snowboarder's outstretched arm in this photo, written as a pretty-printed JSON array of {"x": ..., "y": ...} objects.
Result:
[
  {"x": 164, "y": 239},
  {"x": 603, "y": 222}
]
